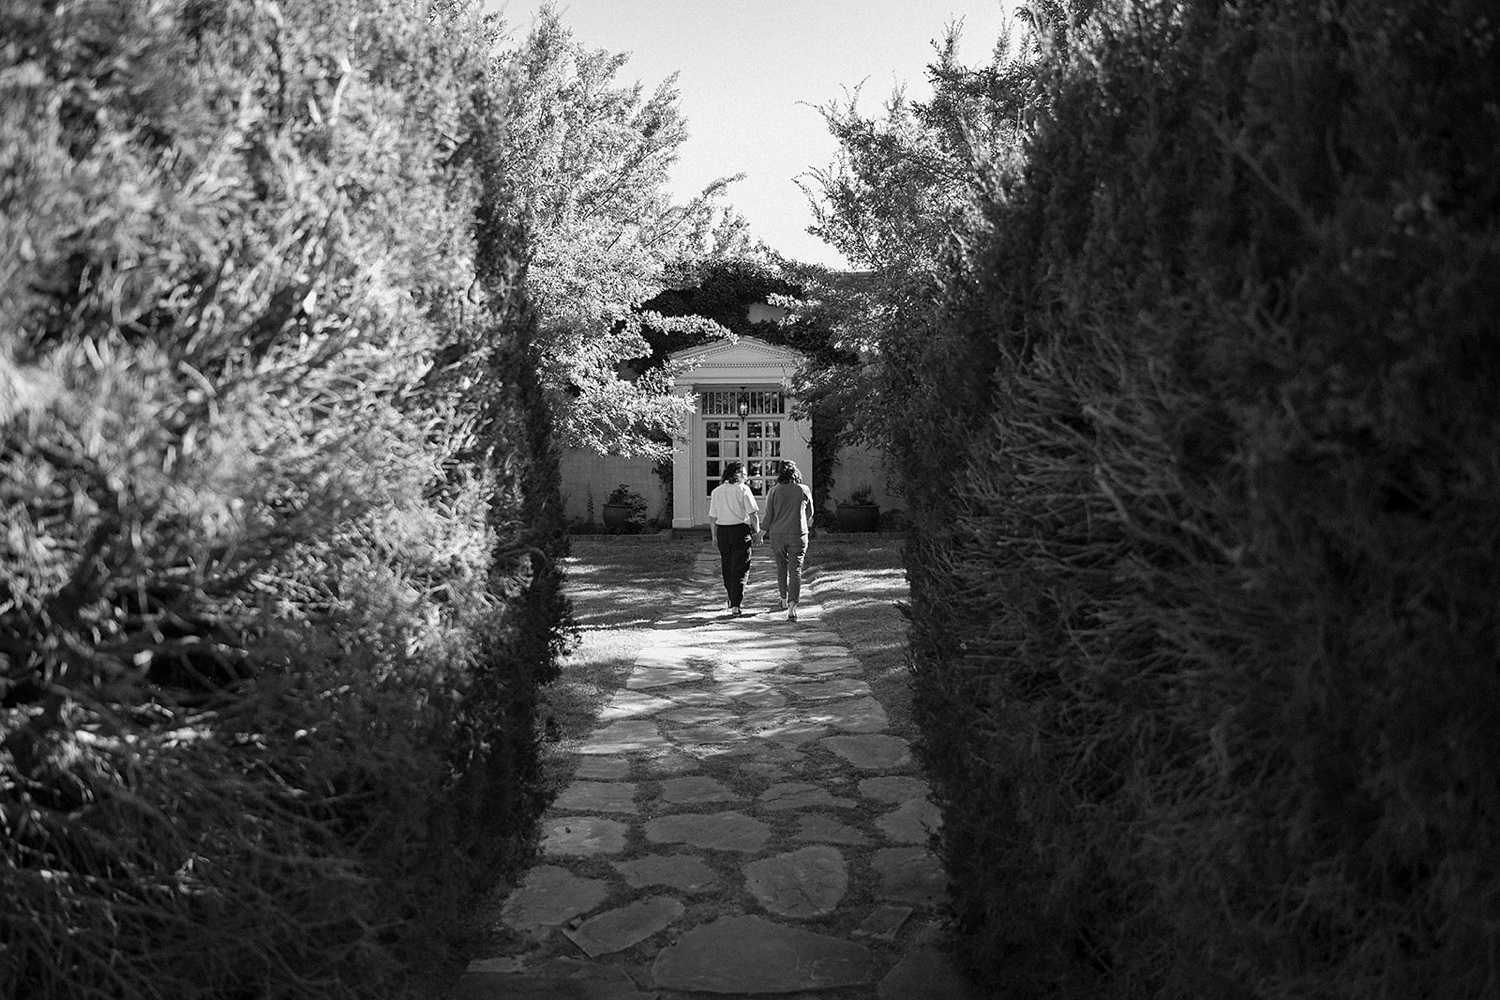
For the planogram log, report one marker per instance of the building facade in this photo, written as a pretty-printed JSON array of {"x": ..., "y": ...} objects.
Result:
[{"x": 741, "y": 410}]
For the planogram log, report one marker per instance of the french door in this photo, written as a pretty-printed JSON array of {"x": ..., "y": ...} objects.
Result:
[{"x": 753, "y": 439}]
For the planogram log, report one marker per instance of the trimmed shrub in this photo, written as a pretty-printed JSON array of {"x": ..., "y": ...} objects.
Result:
[
  {"x": 1206, "y": 661},
  {"x": 278, "y": 565}
]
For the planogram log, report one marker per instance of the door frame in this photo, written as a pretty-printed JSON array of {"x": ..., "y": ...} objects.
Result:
[{"x": 747, "y": 365}]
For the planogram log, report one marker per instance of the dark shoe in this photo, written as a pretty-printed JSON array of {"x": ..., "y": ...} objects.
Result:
[
  {"x": 735, "y": 611},
  {"x": 784, "y": 604},
  {"x": 791, "y": 613}
]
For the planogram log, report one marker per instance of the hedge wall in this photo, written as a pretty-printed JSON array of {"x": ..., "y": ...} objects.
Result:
[
  {"x": 1206, "y": 619},
  {"x": 278, "y": 514}
]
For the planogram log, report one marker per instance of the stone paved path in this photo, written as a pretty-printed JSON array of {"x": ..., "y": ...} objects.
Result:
[{"x": 741, "y": 824}]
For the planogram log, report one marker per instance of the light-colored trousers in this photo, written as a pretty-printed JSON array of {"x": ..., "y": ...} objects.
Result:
[{"x": 789, "y": 551}]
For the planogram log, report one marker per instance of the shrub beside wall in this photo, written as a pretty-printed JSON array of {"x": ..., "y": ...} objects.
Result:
[
  {"x": 278, "y": 557},
  {"x": 1207, "y": 662}
]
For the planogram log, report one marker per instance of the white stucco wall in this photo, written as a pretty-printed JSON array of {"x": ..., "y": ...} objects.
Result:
[
  {"x": 859, "y": 466},
  {"x": 584, "y": 472}
]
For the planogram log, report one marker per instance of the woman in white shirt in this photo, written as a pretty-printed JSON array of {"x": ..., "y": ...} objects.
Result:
[{"x": 733, "y": 520}]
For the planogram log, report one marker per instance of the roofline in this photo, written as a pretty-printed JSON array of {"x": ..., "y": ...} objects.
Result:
[{"x": 725, "y": 343}]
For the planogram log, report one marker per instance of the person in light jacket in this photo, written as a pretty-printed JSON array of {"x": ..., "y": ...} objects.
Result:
[
  {"x": 789, "y": 518},
  {"x": 733, "y": 521}
]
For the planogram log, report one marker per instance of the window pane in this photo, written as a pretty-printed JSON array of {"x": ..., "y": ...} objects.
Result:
[
  {"x": 711, "y": 429},
  {"x": 752, "y": 449},
  {"x": 713, "y": 449},
  {"x": 773, "y": 428},
  {"x": 729, "y": 449},
  {"x": 754, "y": 429},
  {"x": 731, "y": 428},
  {"x": 713, "y": 470},
  {"x": 757, "y": 487},
  {"x": 754, "y": 468},
  {"x": 773, "y": 448}
]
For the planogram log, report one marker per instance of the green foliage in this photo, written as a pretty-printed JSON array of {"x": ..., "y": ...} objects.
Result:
[
  {"x": 278, "y": 569},
  {"x": 899, "y": 202},
  {"x": 587, "y": 160},
  {"x": 710, "y": 300},
  {"x": 635, "y": 506},
  {"x": 718, "y": 292},
  {"x": 1203, "y": 470},
  {"x": 624, "y": 496}
]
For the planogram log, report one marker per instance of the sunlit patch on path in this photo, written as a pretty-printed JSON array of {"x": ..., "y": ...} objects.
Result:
[{"x": 741, "y": 823}]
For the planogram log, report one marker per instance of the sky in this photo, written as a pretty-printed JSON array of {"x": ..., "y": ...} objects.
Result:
[{"x": 752, "y": 74}]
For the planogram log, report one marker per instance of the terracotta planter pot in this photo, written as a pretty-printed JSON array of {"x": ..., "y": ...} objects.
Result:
[
  {"x": 860, "y": 517},
  {"x": 617, "y": 515}
]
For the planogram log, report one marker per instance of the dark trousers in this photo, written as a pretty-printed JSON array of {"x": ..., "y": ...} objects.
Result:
[{"x": 734, "y": 555}]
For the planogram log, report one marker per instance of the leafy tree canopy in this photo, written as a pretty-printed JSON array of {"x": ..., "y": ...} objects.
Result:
[
  {"x": 902, "y": 200},
  {"x": 589, "y": 158}
]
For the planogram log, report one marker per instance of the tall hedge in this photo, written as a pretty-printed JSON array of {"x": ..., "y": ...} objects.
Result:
[
  {"x": 277, "y": 514},
  {"x": 1206, "y": 614}
]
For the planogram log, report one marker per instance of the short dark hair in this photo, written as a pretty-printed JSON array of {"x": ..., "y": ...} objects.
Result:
[
  {"x": 732, "y": 470},
  {"x": 789, "y": 473}
]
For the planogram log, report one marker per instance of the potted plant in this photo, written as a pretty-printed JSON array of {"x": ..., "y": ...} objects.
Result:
[
  {"x": 860, "y": 512},
  {"x": 624, "y": 509}
]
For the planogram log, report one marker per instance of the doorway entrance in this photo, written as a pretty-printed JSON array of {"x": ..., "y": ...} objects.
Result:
[
  {"x": 745, "y": 427},
  {"x": 756, "y": 443}
]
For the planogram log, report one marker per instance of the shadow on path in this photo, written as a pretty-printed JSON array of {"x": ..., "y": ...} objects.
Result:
[{"x": 741, "y": 823}]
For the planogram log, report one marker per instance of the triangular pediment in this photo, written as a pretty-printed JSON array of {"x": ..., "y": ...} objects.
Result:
[{"x": 743, "y": 356}]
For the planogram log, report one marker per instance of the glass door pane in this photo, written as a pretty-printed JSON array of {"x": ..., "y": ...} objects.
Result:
[
  {"x": 763, "y": 449},
  {"x": 722, "y": 442}
]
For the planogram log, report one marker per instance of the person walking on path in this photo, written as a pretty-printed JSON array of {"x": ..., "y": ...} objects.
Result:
[
  {"x": 734, "y": 521},
  {"x": 789, "y": 518}
]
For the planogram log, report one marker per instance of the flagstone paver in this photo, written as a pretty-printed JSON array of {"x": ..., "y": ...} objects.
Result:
[
  {"x": 728, "y": 831},
  {"x": 633, "y": 705},
  {"x": 603, "y": 768},
  {"x": 826, "y": 666},
  {"x": 911, "y": 823},
  {"x": 624, "y": 736},
  {"x": 862, "y": 715},
  {"x": 695, "y": 790},
  {"x": 840, "y": 687},
  {"x": 800, "y": 795},
  {"x": 583, "y": 836},
  {"x": 826, "y": 829},
  {"x": 751, "y": 955},
  {"x": 693, "y": 714},
  {"x": 805, "y": 883},
  {"x": 709, "y": 733},
  {"x": 741, "y": 822},
  {"x": 893, "y": 788},
  {"x": 883, "y": 922},
  {"x": 646, "y": 676},
  {"x": 671, "y": 762},
  {"x": 550, "y": 895},
  {"x": 685, "y": 872},
  {"x": 598, "y": 796},
  {"x": 872, "y": 752},
  {"x": 616, "y": 930}
]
